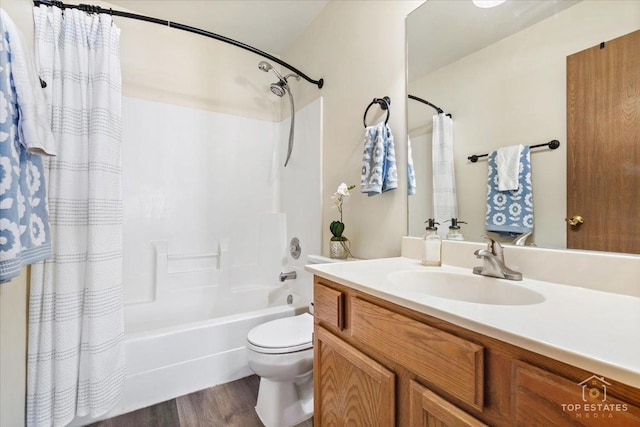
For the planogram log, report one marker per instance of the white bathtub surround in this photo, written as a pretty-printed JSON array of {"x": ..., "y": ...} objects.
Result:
[
  {"x": 216, "y": 176},
  {"x": 209, "y": 179},
  {"x": 562, "y": 326},
  {"x": 191, "y": 287},
  {"x": 75, "y": 363}
]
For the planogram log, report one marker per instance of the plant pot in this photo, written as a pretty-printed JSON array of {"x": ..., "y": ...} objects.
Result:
[{"x": 339, "y": 249}]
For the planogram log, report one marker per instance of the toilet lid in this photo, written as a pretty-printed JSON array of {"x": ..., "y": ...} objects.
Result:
[{"x": 283, "y": 335}]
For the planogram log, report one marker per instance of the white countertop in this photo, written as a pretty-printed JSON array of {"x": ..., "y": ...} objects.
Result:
[{"x": 593, "y": 330}]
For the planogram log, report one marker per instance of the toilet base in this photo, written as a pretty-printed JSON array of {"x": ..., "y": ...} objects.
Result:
[{"x": 285, "y": 404}]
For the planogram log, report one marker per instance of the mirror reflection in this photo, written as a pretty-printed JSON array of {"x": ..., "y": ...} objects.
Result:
[{"x": 505, "y": 74}]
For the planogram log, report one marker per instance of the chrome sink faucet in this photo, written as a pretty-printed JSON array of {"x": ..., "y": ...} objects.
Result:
[
  {"x": 521, "y": 240},
  {"x": 493, "y": 262}
]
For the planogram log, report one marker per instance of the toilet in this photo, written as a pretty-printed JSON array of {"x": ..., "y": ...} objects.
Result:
[{"x": 280, "y": 352}]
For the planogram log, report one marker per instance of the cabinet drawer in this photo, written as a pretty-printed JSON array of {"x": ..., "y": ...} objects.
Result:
[
  {"x": 544, "y": 398},
  {"x": 328, "y": 305},
  {"x": 447, "y": 362}
]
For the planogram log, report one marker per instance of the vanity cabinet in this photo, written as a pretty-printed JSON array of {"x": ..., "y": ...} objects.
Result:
[{"x": 381, "y": 364}]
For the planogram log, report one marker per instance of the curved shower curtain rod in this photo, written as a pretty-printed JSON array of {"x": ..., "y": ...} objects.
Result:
[
  {"x": 424, "y": 101},
  {"x": 98, "y": 9}
]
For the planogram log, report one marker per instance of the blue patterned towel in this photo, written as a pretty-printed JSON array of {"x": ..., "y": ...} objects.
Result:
[
  {"x": 510, "y": 212},
  {"x": 24, "y": 218},
  {"x": 411, "y": 171},
  {"x": 379, "y": 170}
]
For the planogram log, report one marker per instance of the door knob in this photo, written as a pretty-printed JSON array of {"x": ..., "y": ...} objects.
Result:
[{"x": 575, "y": 220}]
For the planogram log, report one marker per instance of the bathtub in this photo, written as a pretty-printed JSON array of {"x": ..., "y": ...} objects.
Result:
[
  {"x": 165, "y": 363},
  {"x": 194, "y": 339}
]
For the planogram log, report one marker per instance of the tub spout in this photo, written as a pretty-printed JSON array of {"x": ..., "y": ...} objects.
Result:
[{"x": 287, "y": 276}]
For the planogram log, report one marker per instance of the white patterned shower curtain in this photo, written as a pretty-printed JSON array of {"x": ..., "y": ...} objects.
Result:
[
  {"x": 445, "y": 199},
  {"x": 75, "y": 361}
]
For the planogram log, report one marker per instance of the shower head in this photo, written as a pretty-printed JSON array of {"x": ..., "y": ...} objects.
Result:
[
  {"x": 279, "y": 88},
  {"x": 264, "y": 66}
]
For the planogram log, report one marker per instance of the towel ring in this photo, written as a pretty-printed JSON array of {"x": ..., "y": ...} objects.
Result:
[{"x": 384, "y": 103}]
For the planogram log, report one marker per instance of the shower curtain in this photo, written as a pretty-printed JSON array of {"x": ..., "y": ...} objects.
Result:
[
  {"x": 445, "y": 199},
  {"x": 75, "y": 363}
]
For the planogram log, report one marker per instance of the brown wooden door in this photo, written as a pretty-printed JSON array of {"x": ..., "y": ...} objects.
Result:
[
  {"x": 430, "y": 410},
  {"x": 603, "y": 146},
  {"x": 350, "y": 388}
]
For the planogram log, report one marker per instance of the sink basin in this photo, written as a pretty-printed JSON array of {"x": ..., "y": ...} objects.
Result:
[{"x": 463, "y": 287}]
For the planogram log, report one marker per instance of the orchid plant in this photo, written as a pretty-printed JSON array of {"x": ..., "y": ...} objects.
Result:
[{"x": 337, "y": 227}]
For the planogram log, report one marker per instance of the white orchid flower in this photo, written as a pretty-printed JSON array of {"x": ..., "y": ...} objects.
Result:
[
  {"x": 343, "y": 189},
  {"x": 339, "y": 196}
]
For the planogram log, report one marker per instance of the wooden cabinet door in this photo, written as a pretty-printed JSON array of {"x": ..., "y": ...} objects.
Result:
[
  {"x": 546, "y": 399},
  {"x": 350, "y": 388},
  {"x": 430, "y": 410}
]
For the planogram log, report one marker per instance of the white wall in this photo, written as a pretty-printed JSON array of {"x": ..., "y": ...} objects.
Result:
[
  {"x": 513, "y": 92},
  {"x": 359, "y": 49},
  {"x": 176, "y": 67},
  {"x": 13, "y": 350}
]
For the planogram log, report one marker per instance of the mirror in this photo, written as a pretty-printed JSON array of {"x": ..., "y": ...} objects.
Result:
[{"x": 501, "y": 73}]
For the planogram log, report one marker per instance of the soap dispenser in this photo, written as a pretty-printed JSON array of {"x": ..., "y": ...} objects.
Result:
[
  {"x": 432, "y": 245},
  {"x": 454, "y": 230}
]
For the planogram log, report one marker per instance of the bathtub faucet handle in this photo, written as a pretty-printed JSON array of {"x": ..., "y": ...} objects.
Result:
[{"x": 287, "y": 276}]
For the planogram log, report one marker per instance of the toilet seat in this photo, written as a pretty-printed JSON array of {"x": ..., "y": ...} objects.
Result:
[{"x": 286, "y": 335}]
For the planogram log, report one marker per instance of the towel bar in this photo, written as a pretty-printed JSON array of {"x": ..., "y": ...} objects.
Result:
[{"x": 551, "y": 144}]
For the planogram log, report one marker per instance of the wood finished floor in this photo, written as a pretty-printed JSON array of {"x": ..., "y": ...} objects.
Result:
[{"x": 226, "y": 405}]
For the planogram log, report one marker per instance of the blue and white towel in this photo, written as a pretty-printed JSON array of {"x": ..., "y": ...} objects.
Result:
[
  {"x": 24, "y": 218},
  {"x": 379, "y": 170},
  {"x": 510, "y": 212},
  {"x": 411, "y": 171}
]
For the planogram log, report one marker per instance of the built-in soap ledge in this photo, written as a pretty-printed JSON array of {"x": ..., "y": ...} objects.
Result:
[
  {"x": 176, "y": 271},
  {"x": 604, "y": 271}
]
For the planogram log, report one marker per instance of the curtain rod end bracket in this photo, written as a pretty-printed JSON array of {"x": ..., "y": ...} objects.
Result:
[{"x": 320, "y": 83}]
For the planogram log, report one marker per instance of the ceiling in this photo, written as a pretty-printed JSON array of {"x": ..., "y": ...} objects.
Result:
[
  {"x": 269, "y": 25},
  {"x": 433, "y": 42}
]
